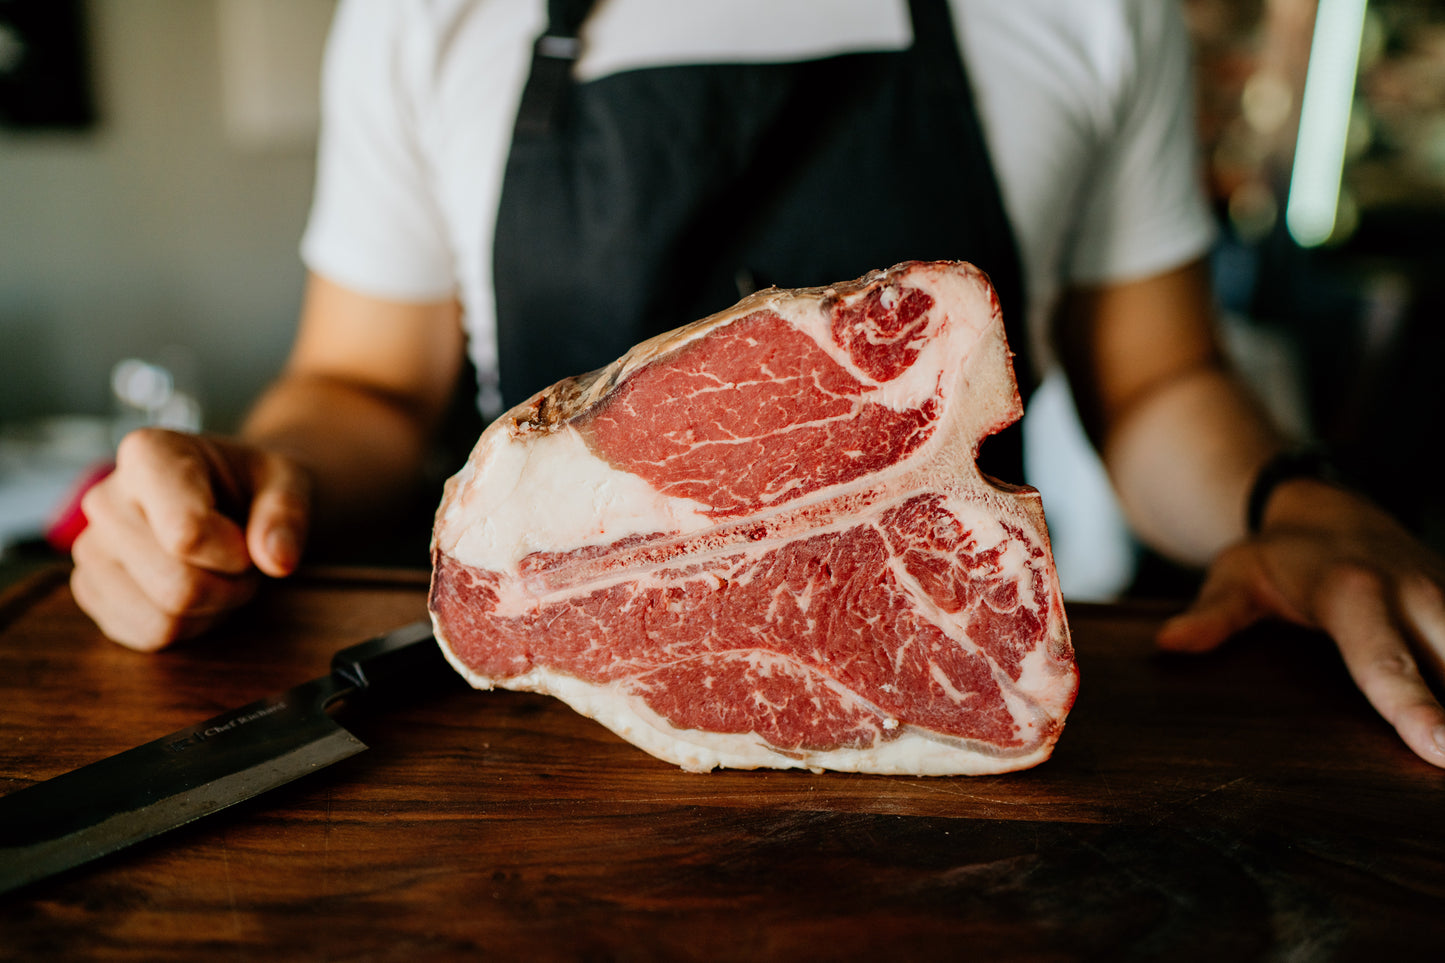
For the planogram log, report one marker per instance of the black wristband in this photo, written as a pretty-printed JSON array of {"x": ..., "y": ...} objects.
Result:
[{"x": 1312, "y": 462}]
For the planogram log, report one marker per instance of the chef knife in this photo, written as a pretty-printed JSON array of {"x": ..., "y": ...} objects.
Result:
[{"x": 103, "y": 807}]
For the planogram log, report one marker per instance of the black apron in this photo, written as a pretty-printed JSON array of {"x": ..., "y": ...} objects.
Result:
[{"x": 646, "y": 199}]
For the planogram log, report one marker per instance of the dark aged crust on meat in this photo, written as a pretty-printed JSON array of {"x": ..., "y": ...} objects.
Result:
[{"x": 840, "y": 588}]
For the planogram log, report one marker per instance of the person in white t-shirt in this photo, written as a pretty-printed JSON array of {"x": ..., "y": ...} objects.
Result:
[{"x": 750, "y": 141}]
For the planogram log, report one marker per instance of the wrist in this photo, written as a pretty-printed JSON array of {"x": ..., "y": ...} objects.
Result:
[
  {"x": 1310, "y": 464},
  {"x": 1305, "y": 487}
]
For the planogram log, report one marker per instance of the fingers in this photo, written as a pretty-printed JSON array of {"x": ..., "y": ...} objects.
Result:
[
  {"x": 280, "y": 513},
  {"x": 126, "y": 613},
  {"x": 1422, "y": 605},
  {"x": 1227, "y": 602},
  {"x": 172, "y": 480},
  {"x": 118, "y": 537},
  {"x": 1354, "y": 607}
]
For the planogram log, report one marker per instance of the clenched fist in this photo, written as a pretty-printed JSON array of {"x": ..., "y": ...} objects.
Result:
[{"x": 179, "y": 533}]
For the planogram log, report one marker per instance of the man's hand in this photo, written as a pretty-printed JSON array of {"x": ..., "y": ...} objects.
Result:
[
  {"x": 1329, "y": 560},
  {"x": 177, "y": 533},
  {"x": 180, "y": 533}
]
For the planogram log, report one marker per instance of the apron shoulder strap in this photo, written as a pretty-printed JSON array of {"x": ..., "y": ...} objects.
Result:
[{"x": 553, "y": 56}]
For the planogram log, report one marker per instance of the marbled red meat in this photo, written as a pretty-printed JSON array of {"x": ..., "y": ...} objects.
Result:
[{"x": 762, "y": 540}]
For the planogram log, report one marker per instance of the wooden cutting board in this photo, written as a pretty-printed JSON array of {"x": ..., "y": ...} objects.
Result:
[{"x": 1244, "y": 805}]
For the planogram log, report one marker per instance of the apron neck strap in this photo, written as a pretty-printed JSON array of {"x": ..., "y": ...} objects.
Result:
[
  {"x": 565, "y": 17},
  {"x": 552, "y": 58},
  {"x": 932, "y": 25}
]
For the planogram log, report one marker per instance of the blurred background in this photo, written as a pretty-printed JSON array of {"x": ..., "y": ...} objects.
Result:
[
  {"x": 156, "y": 159},
  {"x": 155, "y": 173}
]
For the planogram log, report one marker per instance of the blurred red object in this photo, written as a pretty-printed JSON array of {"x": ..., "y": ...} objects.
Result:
[{"x": 69, "y": 521}]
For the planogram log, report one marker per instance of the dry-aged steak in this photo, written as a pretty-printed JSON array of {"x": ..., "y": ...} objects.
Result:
[{"x": 762, "y": 540}]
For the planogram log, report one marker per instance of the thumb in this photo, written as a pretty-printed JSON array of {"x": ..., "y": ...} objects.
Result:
[
  {"x": 1226, "y": 604},
  {"x": 1204, "y": 626},
  {"x": 280, "y": 514}
]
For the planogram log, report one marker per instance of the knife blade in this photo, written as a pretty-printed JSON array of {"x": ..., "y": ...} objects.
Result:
[{"x": 108, "y": 805}]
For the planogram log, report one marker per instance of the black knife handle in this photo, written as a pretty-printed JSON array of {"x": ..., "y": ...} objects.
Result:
[{"x": 388, "y": 661}]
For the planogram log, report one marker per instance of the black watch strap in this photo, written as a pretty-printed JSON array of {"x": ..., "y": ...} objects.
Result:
[{"x": 1313, "y": 462}]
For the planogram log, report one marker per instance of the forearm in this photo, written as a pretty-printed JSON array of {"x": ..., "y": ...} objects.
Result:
[
  {"x": 367, "y": 381},
  {"x": 362, "y": 448},
  {"x": 1183, "y": 458}
]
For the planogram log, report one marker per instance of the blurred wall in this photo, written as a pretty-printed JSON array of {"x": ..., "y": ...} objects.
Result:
[{"x": 156, "y": 227}]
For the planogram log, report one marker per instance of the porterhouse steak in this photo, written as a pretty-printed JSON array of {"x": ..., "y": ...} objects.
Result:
[{"x": 762, "y": 540}]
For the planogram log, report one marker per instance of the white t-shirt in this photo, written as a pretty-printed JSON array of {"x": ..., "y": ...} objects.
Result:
[{"x": 1085, "y": 104}]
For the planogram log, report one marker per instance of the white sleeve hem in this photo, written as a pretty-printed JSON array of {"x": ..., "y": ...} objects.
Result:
[
  {"x": 1161, "y": 255},
  {"x": 330, "y": 260}
]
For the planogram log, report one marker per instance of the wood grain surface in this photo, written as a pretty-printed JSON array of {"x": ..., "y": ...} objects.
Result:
[{"x": 1246, "y": 805}]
